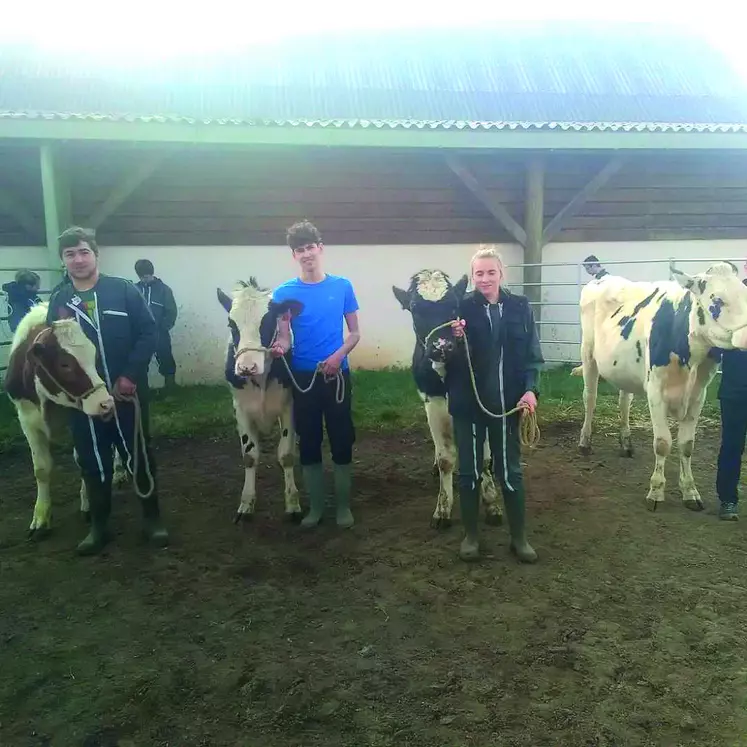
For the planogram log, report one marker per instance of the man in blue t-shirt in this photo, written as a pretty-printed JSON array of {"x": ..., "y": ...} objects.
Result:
[{"x": 318, "y": 343}]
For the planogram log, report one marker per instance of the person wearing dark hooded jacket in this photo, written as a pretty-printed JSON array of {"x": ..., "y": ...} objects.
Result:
[
  {"x": 506, "y": 359},
  {"x": 22, "y": 296},
  {"x": 160, "y": 300}
]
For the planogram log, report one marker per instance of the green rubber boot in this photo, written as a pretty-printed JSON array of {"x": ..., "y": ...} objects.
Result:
[
  {"x": 469, "y": 502},
  {"x": 100, "y": 506},
  {"x": 313, "y": 478},
  {"x": 343, "y": 482},
  {"x": 515, "y": 504},
  {"x": 153, "y": 529}
]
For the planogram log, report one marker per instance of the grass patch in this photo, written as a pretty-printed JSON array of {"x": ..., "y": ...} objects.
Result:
[{"x": 382, "y": 401}]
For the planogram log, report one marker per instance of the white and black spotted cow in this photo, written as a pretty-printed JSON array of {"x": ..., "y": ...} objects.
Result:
[
  {"x": 432, "y": 300},
  {"x": 260, "y": 388},
  {"x": 655, "y": 339}
]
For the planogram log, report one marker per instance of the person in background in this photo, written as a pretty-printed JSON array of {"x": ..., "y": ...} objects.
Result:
[
  {"x": 506, "y": 357},
  {"x": 319, "y": 348},
  {"x": 594, "y": 268},
  {"x": 23, "y": 295},
  {"x": 115, "y": 318},
  {"x": 160, "y": 300},
  {"x": 732, "y": 396}
]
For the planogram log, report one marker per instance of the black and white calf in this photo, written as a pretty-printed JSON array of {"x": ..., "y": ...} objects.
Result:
[
  {"x": 260, "y": 388},
  {"x": 433, "y": 300}
]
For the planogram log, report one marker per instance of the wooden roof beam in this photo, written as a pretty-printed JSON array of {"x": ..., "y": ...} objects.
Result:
[
  {"x": 555, "y": 226},
  {"x": 133, "y": 178},
  {"x": 16, "y": 209},
  {"x": 493, "y": 206}
]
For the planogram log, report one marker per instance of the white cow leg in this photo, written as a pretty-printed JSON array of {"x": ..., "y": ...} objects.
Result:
[
  {"x": 591, "y": 383},
  {"x": 121, "y": 476},
  {"x": 41, "y": 522},
  {"x": 685, "y": 442},
  {"x": 488, "y": 491},
  {"x": 626, "y": 445},
  {"x": 662, "y": 449},
  {"x": 287, "y": 459},
  {"x": 250, "y": 456},
  {"x": 442, "y": 433}
]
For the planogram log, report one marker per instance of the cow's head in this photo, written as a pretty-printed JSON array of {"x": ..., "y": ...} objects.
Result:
[
  {"x": 64, "y": 364},
  {"x": 433, "y": 300},
  {"x": 252, "y": 319},
  {"x": 722, "y": 302}
]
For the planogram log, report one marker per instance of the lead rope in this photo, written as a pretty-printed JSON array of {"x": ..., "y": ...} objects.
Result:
[
  {"x": 529, "y": 432},
  {"x": 338, "y": 377},
  {"x": 139, "y": 435}
]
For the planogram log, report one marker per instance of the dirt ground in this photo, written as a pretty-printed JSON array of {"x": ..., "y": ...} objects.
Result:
[{"x": 628, "y": 632}]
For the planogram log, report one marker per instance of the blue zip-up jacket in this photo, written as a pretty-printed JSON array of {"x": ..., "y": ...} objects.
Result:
[
  {"x": 160, "y": 300},
  {"x": 20, "y": 303},
  {"x": 126, "y": 336},
  {"x": 733, "y": 385},
  {"x": 505, "y": 351}
]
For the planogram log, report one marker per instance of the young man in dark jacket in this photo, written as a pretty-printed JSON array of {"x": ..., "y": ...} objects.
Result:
[
  {"x": 160, "y": 300},
  {"x": 22, "y": 296},
  {"x": 115, "y": 317},
  {"x": 506, "y": 359},
  {"x": 732, "y": 394}
]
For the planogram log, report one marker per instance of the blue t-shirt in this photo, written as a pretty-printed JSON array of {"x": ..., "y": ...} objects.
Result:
[{"x": 318, "y": 330}]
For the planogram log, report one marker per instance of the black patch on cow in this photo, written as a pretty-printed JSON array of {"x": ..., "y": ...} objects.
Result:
[
  {"x": 249, "y": 447},
  {"x": 626, "y": 326},
  {"x": 617, "y": 311},
  {"x": 646, "y": 301},
  {"x": 716, "y": 306},
  {"x": 234, "y": 332},
  {"x": 701, "y": 285},
  {"x": 426, "y": 379},
  {"x": 614, "y": 362},
  {"x": 669, "y": 333},
  {"x": 285, "y": 432},
  {"x": 639, "y": 350},
  {"x": 237, "y": 382},
  {"x": 244, "y": 439},
  {"x": 663, "y": 295},
  {"x": 701, "y": 316}
]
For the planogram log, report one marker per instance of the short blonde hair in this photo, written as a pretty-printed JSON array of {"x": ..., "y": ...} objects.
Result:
[{"x": 487, "y": 251}]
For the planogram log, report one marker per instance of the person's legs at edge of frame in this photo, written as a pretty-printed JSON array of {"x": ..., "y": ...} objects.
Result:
[
  {"x": 506, "y": 449},
  {"x": 733, "y": 433},
  {"x": 470, "y": 439},
  {"x": 153, "y": 529},
  {"x": 341, "y": 433}
]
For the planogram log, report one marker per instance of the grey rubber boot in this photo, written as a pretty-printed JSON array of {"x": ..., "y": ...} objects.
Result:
[
  {"x": 343, "y": 483},
  {"x": 100, "y": 506},
  {"x": 313, "y": 478},
  {"x": 469, "y": 502}
]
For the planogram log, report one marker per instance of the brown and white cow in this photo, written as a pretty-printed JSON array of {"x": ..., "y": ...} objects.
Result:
[
  {"x": 260, "y": 388},
  {"x": 433, "y": 300},
  {"x": 655, "y": 339},
  {"x": 51, "y": 367}
]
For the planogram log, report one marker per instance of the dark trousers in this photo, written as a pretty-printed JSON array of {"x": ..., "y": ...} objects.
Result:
[
  {"x": 164, "y": 355},
  {"x": 317, "y": 408},
  {"x": 94, "y": 439},
  {"x": 733, "y": 432},
  {"x": 470, "y": 437}
]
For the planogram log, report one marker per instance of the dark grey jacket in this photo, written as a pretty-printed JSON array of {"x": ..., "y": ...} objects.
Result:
[
  {"x": 127, "y": 334},
  {"x": 160, "y": 300}
]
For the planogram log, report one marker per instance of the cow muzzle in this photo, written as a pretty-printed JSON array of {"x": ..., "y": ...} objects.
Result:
[
  {"x": 250, "y": 364},
  {"x": 98, "y": 404}
]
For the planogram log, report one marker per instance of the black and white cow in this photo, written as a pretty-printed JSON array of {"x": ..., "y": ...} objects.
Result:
[
  {"x": 260, "y": 388},
  {"x": 654, "y": 339},
  {"x": 433, "y": 300}
]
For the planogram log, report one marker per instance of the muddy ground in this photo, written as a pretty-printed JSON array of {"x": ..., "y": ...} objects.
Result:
[{"x": 628, "y": 632}]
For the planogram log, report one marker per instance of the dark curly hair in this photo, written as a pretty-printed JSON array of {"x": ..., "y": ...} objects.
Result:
[
  {"x": 74, "y": 235},
  {"x": 302, "y": 233}
]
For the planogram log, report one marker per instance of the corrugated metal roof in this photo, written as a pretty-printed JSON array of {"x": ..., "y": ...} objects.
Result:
[{"x": 526, "y": 77}]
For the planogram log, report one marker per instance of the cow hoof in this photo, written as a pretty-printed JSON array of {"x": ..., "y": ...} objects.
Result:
[
  {"x": 585, "y": 450},
  {"x": 627, "y": 452},
  {"x": 40, "y": 533},
  {"x": 86, "y": 516},
  {"x": 294, "y": 517},
  {"x": 440, "y": 522},
  {"x": 243, "y": 518},
  {"x": 694, "y": 504},
  {"x": 651, "y": 504},
  {"x": 494, "y": 520}
]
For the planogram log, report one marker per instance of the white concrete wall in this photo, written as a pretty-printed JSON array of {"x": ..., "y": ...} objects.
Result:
[
  {"x": 201, "y": 333},
  {"x": 634, "y": 260}
]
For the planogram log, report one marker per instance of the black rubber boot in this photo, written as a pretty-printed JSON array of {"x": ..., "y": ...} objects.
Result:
[
  {"x": 153, "y": 529},
  {"x": 515, "y": 504},
  {"x": 313, "y": 477},
  {"x": 469, "y": 502},
  {"x": 343, "y": 483},
  {"x": 100, "y": 507}
]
